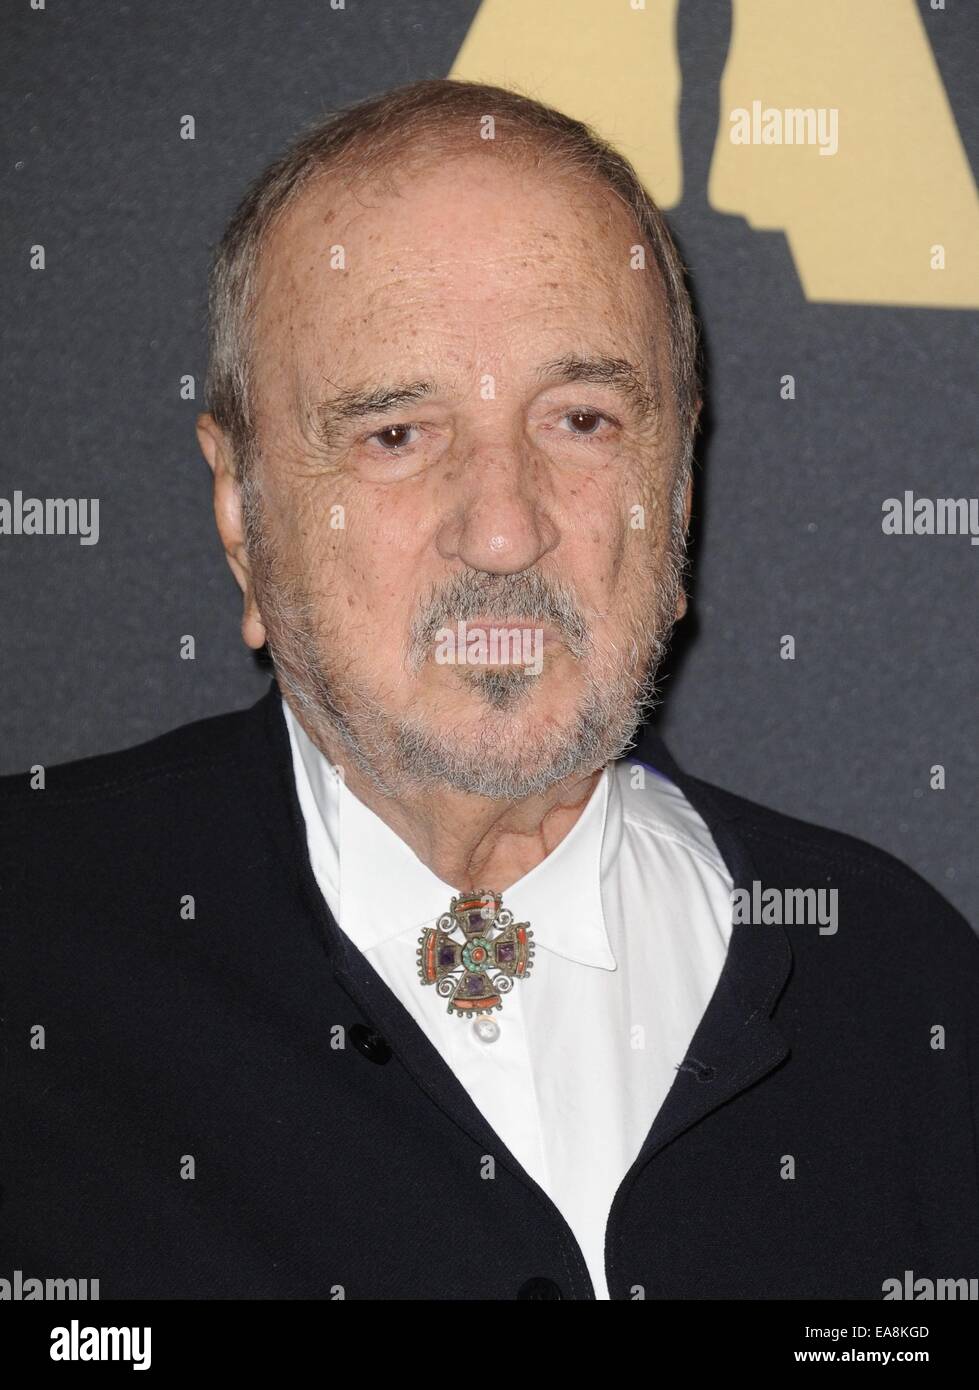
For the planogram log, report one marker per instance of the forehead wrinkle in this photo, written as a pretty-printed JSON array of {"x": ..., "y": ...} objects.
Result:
[
  {"x": 496, "y": 297},
  {"x": 297, "y": 266},
  {"x": 436, "y": 254}
]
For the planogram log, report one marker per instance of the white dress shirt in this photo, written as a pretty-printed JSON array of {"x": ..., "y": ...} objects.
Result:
[{"x": 631, "y": 917}]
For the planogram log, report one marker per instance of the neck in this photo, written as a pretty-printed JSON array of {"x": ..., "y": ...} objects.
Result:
[{"x": 469, "y": 841}]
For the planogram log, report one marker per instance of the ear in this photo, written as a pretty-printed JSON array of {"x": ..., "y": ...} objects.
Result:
[
  {"x": 681, "y": 602},
  {"x": 228, "y": 514}
]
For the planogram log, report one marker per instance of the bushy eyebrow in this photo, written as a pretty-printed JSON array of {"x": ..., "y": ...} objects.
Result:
[
  {"x": 357, "y": 402},
  {"x": 361, "y": 401},
  {"x": 623, "y": 376}
]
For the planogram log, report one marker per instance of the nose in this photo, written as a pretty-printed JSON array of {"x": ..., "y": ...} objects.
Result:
[{"x": 499, "y": 521}]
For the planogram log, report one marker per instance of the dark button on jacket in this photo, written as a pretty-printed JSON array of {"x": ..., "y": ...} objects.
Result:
[{"x": 370, "y": 1043}]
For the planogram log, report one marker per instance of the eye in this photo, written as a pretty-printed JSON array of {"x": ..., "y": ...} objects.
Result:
[
  {"x": 586, "y": 421},
  {"x": 393, "y": 437}
]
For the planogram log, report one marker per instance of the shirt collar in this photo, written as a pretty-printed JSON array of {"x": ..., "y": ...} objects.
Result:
[{"x": 354, "y": 849}]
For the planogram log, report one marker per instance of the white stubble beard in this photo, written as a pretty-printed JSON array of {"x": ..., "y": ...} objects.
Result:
[{"x": 398, "y": 756}]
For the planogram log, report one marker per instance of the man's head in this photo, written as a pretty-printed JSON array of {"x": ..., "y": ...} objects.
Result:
[{"x": 453, "y": 379}]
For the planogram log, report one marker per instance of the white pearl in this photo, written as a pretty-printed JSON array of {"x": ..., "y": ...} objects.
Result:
[{"x": 486, "y": 1029}]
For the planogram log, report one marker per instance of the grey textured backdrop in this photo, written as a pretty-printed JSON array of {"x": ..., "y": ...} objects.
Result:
[{"x": 787, "y": 532}]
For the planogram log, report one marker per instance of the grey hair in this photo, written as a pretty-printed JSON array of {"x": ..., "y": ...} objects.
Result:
[{"x": 381, "y": 135}]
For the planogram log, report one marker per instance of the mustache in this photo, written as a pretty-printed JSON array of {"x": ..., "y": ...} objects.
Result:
[{"x": 498, "y": 598}]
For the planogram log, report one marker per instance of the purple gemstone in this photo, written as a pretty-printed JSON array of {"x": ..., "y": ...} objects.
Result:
[
  {"x": 446, "y": 955},
  {"x": 505, "y": 951},
  {"x": 474, "y": 984},
  {"x": 475, "y": 919}
]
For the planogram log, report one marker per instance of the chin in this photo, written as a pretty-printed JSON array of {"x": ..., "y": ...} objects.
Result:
[
  {"x": 501, "y": 739},
  {"x": 506, "y": 696}
]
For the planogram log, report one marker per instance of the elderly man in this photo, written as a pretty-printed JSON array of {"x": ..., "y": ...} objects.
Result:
[{"x": 410, "y": 982}]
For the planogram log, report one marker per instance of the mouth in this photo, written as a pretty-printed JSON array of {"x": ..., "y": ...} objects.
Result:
[
  {"x": 497, "y": 643},
  {"x": 506, "y": 626}
]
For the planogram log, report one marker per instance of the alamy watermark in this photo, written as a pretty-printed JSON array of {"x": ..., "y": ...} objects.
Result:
[
  {"x": 78, "y": 1343},
  {"x": 19, "y": 1289},
  {"x": 50, "y": 516},
  {"x": 791, "y": 125},
  {"x": 927, "y": 1289},
  {"x": 491, "y": 646},
  {"x": 760, "y": 906},
  {"x": 930, "y": 516}
]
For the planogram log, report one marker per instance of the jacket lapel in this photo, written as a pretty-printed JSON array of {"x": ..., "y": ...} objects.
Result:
[{"x": 736, "y": 1042}]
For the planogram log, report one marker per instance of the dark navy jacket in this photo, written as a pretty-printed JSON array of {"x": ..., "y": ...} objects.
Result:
[{"x": 333, "y": 1151}]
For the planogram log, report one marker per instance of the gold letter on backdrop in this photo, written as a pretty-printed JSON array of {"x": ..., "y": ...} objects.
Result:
[{"x": 862, "y": 221}]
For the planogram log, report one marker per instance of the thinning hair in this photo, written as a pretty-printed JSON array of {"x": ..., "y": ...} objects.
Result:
[{"x": 383, "y": 135}]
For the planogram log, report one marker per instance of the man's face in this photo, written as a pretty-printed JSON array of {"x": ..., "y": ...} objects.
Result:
[{"x": 448, "y": 432}]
